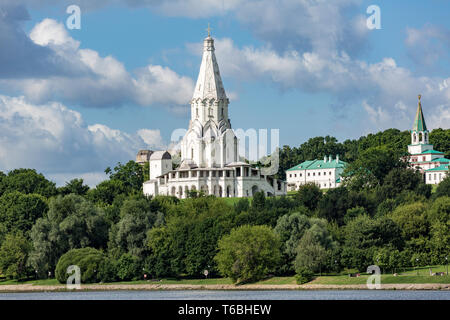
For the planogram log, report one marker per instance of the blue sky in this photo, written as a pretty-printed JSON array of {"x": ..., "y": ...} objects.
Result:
[{"x": 92, "y": 97}]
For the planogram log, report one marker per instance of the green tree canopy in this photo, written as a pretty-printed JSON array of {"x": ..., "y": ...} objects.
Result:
[
  {"x": 309, "y": 195},
  {"x": 412, "y": 219},
  {"x": 19, "y": 212},
  {"x": 27, "y": 181},
  {"x": 311, "y": 255},
  {"x": 75, "y": 186},
  {"x": 443, "y": 188},
  {"x": 14, "y": 255},
  {"x": 71, "y": 222},
  {"x": 248, "y": 253},
  {"x": 371, "y": 167},
  {"x": 130, "y": 174}
]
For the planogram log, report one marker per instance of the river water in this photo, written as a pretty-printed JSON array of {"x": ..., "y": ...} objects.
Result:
[{"x": 234, "y": 295}]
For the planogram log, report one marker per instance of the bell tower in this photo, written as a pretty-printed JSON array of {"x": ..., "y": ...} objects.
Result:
[{"x": 419, "y": 133}]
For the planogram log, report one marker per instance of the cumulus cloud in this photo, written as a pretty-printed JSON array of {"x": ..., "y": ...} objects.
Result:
[
  {"x": 386, "y": 91},
  {"x": 21, "y": 57},
  {"x": 54, "y": 139},
  {"x": 56, "y": 69}
]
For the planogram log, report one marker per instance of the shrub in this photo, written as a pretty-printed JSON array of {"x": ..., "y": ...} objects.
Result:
[
  {"x": 304, "y": 275},
  {"x": 89, "y": 261}
]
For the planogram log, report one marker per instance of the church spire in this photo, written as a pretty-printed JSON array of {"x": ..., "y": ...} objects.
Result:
[
  {"x": 419, "y": 121},
  {"x": 209, "y": 83}
]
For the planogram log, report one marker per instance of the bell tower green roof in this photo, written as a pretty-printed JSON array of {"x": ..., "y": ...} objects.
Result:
[{"x": 419, "y": 121}]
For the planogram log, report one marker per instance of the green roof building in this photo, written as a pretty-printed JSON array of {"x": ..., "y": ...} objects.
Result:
[
  {"x": 431, "y": 163},
  {"x": 324, "y": 173}
]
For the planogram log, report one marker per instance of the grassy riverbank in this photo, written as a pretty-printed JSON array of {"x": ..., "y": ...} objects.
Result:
[{"x": 407, "y": 276}]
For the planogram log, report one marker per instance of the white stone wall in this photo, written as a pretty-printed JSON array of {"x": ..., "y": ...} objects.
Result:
[
  {"x": 419, "y": 148},
  {"x": 324, "y": 178},
  {"x": 435, "y": 177},
  {"x": 242, "y": 186},
  {"x": 159, "y": 167}
]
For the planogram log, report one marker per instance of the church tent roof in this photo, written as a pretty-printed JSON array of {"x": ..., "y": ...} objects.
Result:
[{"x": 419, "y": 121}]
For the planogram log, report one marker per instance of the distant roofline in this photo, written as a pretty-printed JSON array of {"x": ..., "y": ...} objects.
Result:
[{"x": 310, "y": 163}]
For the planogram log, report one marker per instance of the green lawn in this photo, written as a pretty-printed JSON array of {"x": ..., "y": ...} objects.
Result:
[
  {"x": 43, "y": 282},
  {"x": 411, "y": 275},
  {"x": 385, "y": 279}
]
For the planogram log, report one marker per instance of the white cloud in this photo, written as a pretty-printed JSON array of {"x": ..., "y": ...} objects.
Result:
[
  {"x": 94, "y": 80},
  {"x": 386, "y": 91},
  {"x": 54, "y": 140},
  {"x": 152, "y": 138}
]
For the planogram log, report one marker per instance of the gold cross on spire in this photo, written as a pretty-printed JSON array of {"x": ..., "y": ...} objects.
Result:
[
  {"x": 209, "y": 30},
  {"x": 420, "y": 96}
]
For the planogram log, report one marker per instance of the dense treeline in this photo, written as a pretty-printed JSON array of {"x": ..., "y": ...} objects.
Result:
[
  {"x": 392, "y": 139},
  {"x": 384, "y": 214}
]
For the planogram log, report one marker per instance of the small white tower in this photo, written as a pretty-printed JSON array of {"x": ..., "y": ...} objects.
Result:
[
  {"x": 419, "y": 133},
  {"x": 160, "y": 163}
]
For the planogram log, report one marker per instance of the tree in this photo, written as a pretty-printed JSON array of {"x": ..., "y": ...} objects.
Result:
[
  {"x": 27, "y": 181},
  {"x": 19, "y": 212},
  {"x": 309, "y": 195},
  {"x": 334, "y": 204},
  {"x": 87, "y": 259},
  {"x": 291, "y": 228},
  {"x": 371, "y": 167},
  {"x": 364, "y": 235},
  {"x": 353, "y": 213},
  {"x": 13, "y": 256},
  {"x": 311, "y": 255},
  {"x": 400, "y": 179},
  {"x": 259, "y": 201},
  {"x": 105, "y": 192},
  {"x": 71, "y": 222},
  {"x": 130, "y": 174},
  {"x": 187, "y": 242},
  {"x": 75, "y": 186},
  {"x": 443, "y": 188},
  {"x": 130, "y": 233},
  {"x": 248, "y": 253},
  {"x": 440, "y": 139},
  {"x": 128, "y": 267},
  {"x": 439, "y": 217},
  {"x": 412, "y": 220}
]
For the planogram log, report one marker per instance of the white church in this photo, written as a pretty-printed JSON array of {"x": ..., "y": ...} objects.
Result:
[
  {"x": 209, "y": 150},
  {"x": 422, "y": 157}
]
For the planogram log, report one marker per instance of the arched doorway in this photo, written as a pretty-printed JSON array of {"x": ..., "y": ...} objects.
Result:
[{"x": 254, "y": 190}]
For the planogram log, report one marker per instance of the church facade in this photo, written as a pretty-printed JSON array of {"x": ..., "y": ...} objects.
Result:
[
  {"x": 422, "y": 157},
  {"x": 210, "y": 160}
]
